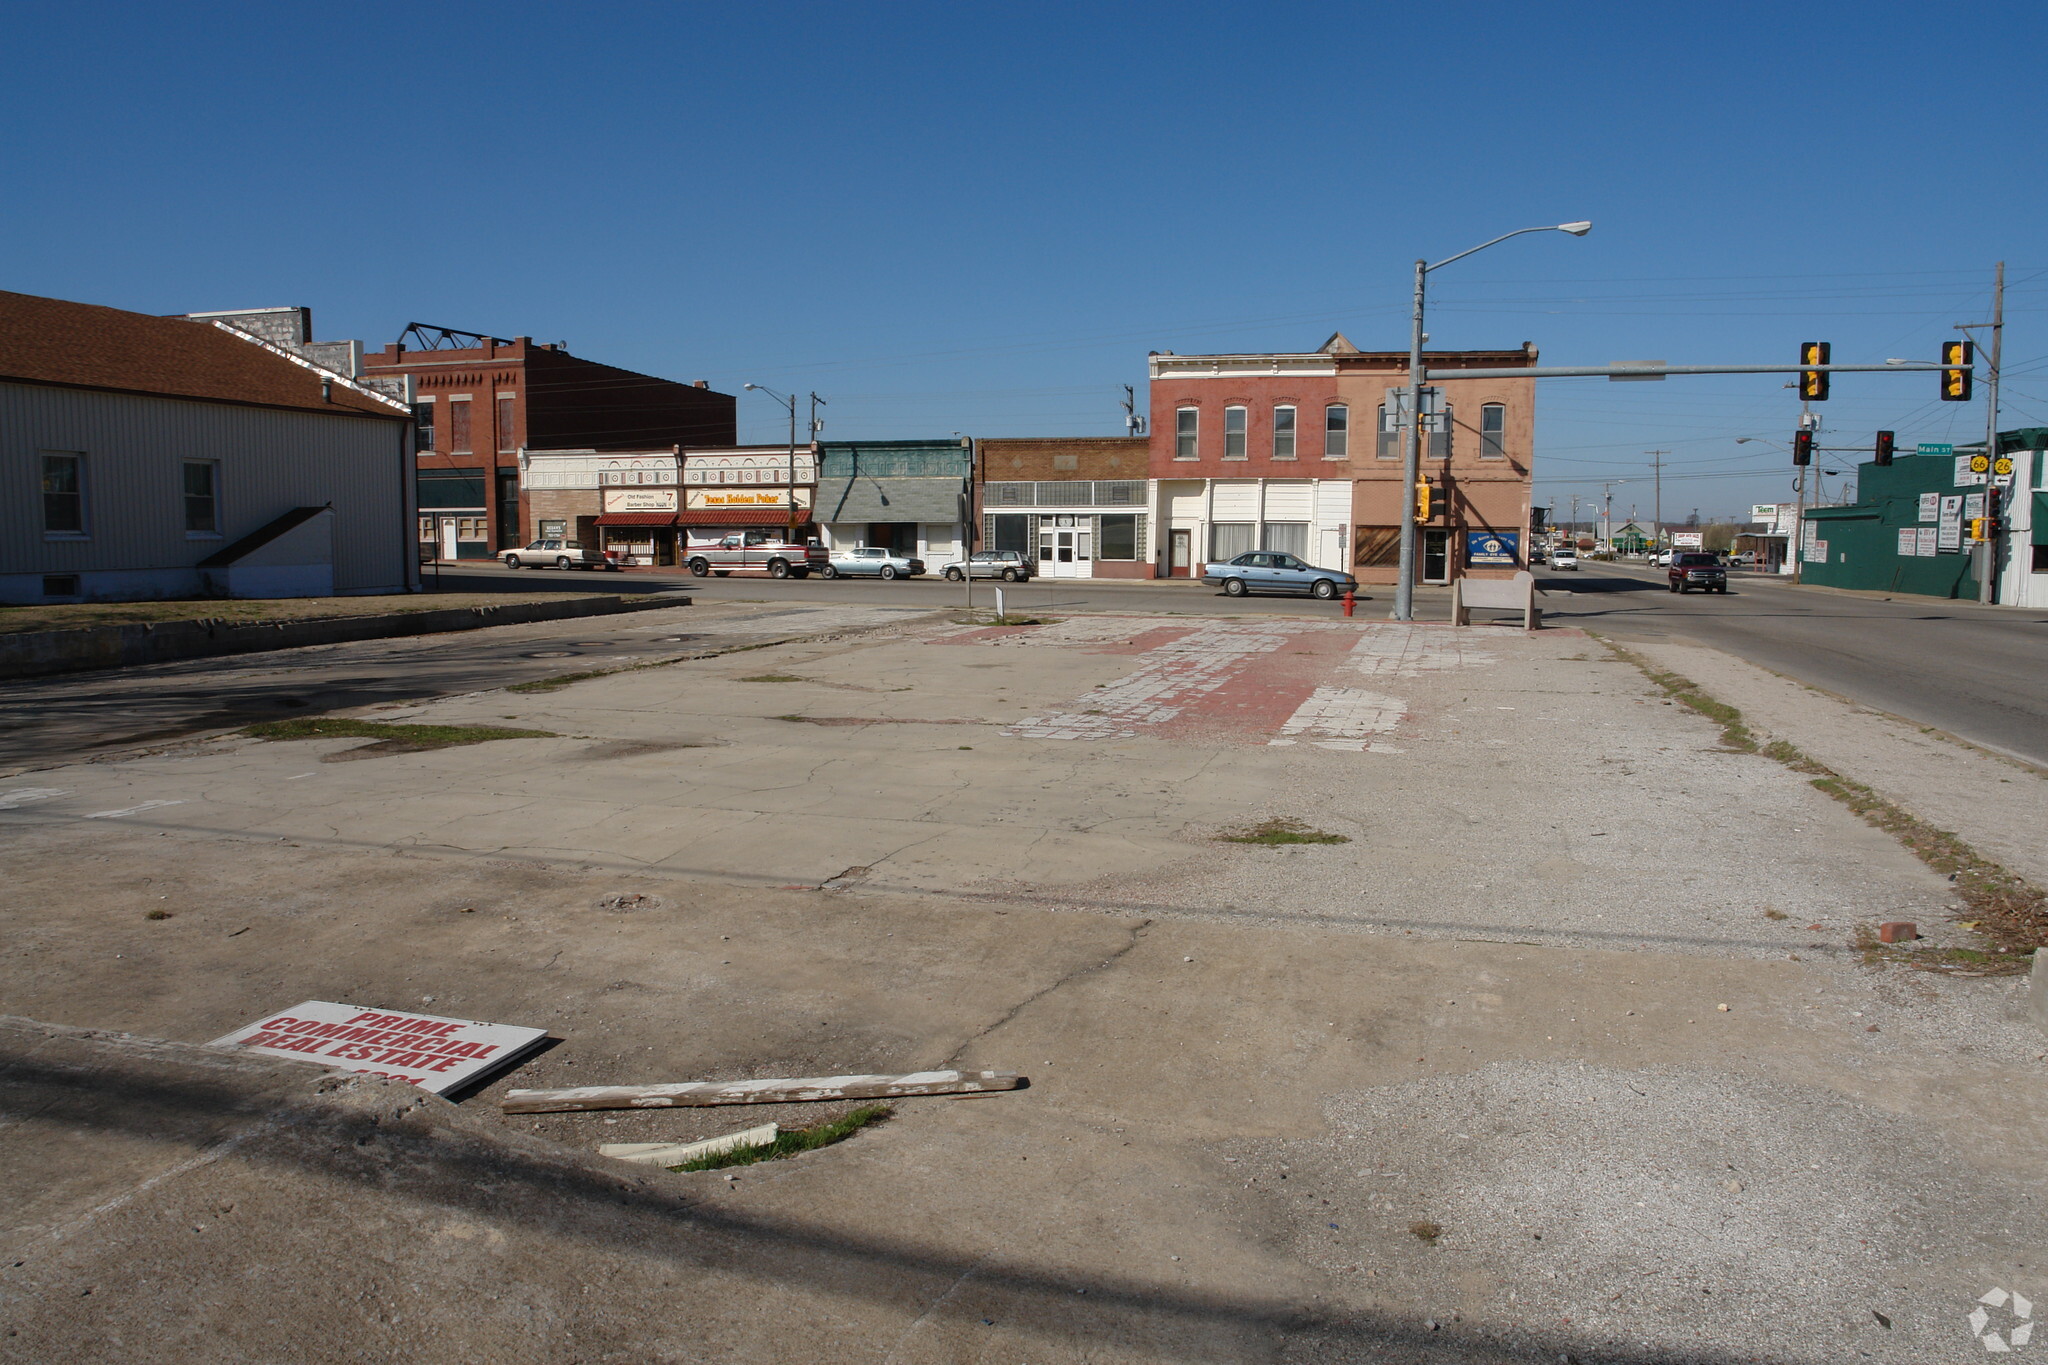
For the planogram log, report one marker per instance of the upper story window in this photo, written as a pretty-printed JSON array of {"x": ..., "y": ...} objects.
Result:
[
  {"x": 1283, "y": 433},
  {"x": 1337, "y": 431},
  {"x": 202, "y": 498},
  {"x": 1234, "y": 433},
  {"x": 1186, "y": 426},
  {"x": 506, "y": 441},
  {"x": 63, "y": 493},
  {"x": 423, "y": 416},
  {"x": 1386, "y": 439},
  {"x": 1493, "y": 430},
  {"x": 460, "y": 441}
]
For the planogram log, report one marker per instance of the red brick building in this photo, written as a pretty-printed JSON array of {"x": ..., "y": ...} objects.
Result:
[
  {"x": 480, "y": 400},
  {"x": 1290, "y": 452}
]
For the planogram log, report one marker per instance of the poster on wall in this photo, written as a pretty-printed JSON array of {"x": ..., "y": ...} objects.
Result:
[
  {"x": 1973, "y": 505},
  {"x": 1909, "y": 540},
  {"x": 1930, "y": 507},
  {"x": 1929, "y": 542},
  {"x": 1493, "y": 549},
  {"x": 1816, "y": 552},
  {"x": 1951, "y": 527},
  {"x": 425, "y": 1050}
]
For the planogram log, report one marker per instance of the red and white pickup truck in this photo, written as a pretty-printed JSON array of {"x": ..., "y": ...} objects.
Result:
[{"x": 770, "y": 551}]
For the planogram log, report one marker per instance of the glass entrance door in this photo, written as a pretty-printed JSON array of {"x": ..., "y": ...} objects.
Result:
[
  {"x": 1436, "y": 556},
  {"x": 1066, "y": 551}
]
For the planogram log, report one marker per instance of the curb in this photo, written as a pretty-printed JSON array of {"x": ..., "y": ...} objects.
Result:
[{"x": 42, "y": 653}]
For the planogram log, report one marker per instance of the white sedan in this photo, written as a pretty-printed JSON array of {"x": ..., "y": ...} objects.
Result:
[{"x": 1564, "y": 559}]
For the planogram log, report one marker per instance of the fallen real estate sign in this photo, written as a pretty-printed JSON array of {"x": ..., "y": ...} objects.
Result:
[{"x": 432, "y": 1053}]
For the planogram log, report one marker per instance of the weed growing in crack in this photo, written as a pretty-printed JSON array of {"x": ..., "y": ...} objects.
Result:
[{"x": 796, "y": 1140}]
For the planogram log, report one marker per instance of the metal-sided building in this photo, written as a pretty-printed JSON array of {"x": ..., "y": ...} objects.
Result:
[
  {"x": 904, "y": 496},
  {"x": 147, "y": 457},
  {"x": 1906, "y": 532}
]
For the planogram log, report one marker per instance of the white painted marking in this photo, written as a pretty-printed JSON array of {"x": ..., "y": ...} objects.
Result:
[
  {"x": 22, "y": 796},
  {"x": 131, "y": 810},
  {"x": 296, "y": 776}
]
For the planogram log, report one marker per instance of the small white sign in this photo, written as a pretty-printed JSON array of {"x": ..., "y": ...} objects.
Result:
[
  {"x": 1909, "y": 541},
  {"x": 639, "y": 499},
  {"x": 425, "y": 1050},
  {"x": 1951, "y": 526},
  {"x": 1688, "y": 540},
  {"x": 1930, "y": 507},
  {"x": 1929, "y": 542},
  {"x": 1965, "y": 476},
  {"x": 1973, "y": 505},
  {"x": 1816, "y": 552}
]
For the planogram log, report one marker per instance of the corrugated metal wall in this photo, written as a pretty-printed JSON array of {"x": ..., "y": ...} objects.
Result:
[{"x": 134, "y": 448}]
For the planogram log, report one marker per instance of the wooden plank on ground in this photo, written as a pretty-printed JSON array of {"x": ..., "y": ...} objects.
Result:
[
  {"x": 676, "y": 1153},
  {"x": 692, "y": 1093}
]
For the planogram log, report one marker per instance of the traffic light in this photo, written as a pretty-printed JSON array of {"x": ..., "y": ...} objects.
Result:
[
  {"x": 1802, "y": 447},
  {"x": 1983, "y": 528},
  {"x": 1884, "y": 448},
  {"x": 1955, "y": 382},
  {"x": 1429, "y": 501},
  {"x": 1813, "y": 384}
]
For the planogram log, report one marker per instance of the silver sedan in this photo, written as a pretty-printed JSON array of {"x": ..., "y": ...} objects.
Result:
[
  {"x": 1276, "y": 571},
  {"x": 868, "y": 561}
]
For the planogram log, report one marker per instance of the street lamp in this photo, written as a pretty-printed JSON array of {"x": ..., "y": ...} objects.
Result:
[
  {"x": 788, "y": 401},
  {"x": 1411, "y": 464}
]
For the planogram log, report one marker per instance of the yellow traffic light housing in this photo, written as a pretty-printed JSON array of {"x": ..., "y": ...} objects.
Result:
[
  {"x": 1813, "y": 384},
  {"x": 1428, "y": 502},
  {"x": 1955, "y": 381}
]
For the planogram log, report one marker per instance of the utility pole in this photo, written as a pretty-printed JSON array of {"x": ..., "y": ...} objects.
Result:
[
  {"x": 816, "y": 425},
  {"x": 1657, "y": 462},
  {"x": 1134, "y": 425},
  {"x": 1807, "y": 422},
  {"x": 1575, "y": 521},
  {"x": 1987, "y": 574}
]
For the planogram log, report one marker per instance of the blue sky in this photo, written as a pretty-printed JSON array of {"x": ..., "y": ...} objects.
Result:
[{"x": 980, "y": 218}]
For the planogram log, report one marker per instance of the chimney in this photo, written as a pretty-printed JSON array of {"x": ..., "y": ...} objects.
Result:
[{"x": 700, "y": 383}]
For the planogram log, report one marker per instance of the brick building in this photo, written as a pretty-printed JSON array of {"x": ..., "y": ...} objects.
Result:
[
  {"x": 1291, "y": 452},
  {"x": 480, "y": 400},
  {"x": 1078, "y": 505}
]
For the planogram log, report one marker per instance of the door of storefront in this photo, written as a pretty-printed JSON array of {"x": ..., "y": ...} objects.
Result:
[
  {"x": 1436, "y": 556},
  {"x": 447, "y": 538},
  {"x": 1180, "y": 554},
  {"x": 1066, "y": 551}
]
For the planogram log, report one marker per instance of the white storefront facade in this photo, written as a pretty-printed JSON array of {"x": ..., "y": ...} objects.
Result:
[{"x": 1206, "y": 520}]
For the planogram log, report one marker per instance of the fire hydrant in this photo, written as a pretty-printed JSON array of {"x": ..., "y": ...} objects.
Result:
[{"x": 1350, "y": 601}]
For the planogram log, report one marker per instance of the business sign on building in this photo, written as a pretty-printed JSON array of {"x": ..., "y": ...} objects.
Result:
[
  {"x": 710, "y": 499},
  {"x": 425, "y": 1050},
  {"x": 1950, "y": 527},
  {"x": 1930, "y": 507},
  {"x": 1930, "y": 542},
  {"x": 640, "y": 499},
  {"x": 1493, "y": 549},
  {"x": 1909, "y": 541}
]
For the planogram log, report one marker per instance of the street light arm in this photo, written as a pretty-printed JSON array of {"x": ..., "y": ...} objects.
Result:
[{"x": 1576, "y": 230}]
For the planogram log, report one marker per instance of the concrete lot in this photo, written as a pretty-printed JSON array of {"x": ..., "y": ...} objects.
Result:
[{"x": 1495, "y": 1012}]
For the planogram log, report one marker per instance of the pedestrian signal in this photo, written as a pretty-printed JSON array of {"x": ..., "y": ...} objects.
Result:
[
  {"x": 1813, "y": 384},
  {"x": 1956, "y": 359}
]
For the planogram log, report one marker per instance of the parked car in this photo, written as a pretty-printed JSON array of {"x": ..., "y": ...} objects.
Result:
[
  {"x": 870, "y": 561},
  {"x": 1661, "y": 559},
  {"x": 1696, "y": 569},
  {"x": 1276, "y": 571},
  {"x": 1565, "y": 559},
  {"x": 563, "y": 554},
  {"x": 775, "y": 551},
  {"x": 1008, "y": 565}
]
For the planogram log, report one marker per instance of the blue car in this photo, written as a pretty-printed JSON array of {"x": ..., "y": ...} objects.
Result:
[{"x": 1276, "y": 571}]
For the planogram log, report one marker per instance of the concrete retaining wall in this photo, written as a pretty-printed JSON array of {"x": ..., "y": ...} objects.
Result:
[{"x": 40, "y": 653}]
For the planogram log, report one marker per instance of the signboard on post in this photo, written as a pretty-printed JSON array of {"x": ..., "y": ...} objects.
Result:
[
  {"x": 425, "y": 1050},
  {"x": 1688, "y": 540},
  {"x": 1493, "y": 549},
  {"x": 1967, "y": 471}
]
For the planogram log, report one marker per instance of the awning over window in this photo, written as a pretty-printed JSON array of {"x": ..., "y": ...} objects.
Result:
[{"x": 637, "y": 519}]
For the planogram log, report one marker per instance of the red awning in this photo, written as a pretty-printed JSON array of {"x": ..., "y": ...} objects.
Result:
[
  {"x": 637, "y": 519},
  {"x": 741, "y": 516}
]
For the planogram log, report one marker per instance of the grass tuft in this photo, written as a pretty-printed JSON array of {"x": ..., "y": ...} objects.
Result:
[
  {"x": 158, "y": 914},
  {"x": 410, "y": 736},
  {"x": 796, "y": 1140},
  {"x": 775, "y": 677},
  {"x": 558, "y": 682},
  {"x": 1281, "y": 830},
  {"x": 1427, "y": 1231}
]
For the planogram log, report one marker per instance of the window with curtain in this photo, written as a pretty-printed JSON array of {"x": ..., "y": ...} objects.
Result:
[
  {"x": 1235, "y": 426},
  {"x": 1337, "y": 431},
  {"x": 1283, "y": 433},
  {"x": 1493, "y": 428},
  {"x": 1229, "y": 539},
  {"x": 1186, "y": 426},
  {"x": 1290, "y": 537}
]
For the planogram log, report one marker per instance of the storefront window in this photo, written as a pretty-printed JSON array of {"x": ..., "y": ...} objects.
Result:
[{"x": 1119, "y": 538}]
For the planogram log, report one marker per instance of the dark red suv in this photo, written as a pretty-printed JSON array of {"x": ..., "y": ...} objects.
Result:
[{"x": 1697, "y": 569}]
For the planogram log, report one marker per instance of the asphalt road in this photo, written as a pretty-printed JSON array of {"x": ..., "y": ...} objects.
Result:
[{"x": 1977, "y": 672}]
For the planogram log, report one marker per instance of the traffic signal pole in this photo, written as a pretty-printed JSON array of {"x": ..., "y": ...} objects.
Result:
[{"x": 1987, "y": 574}]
